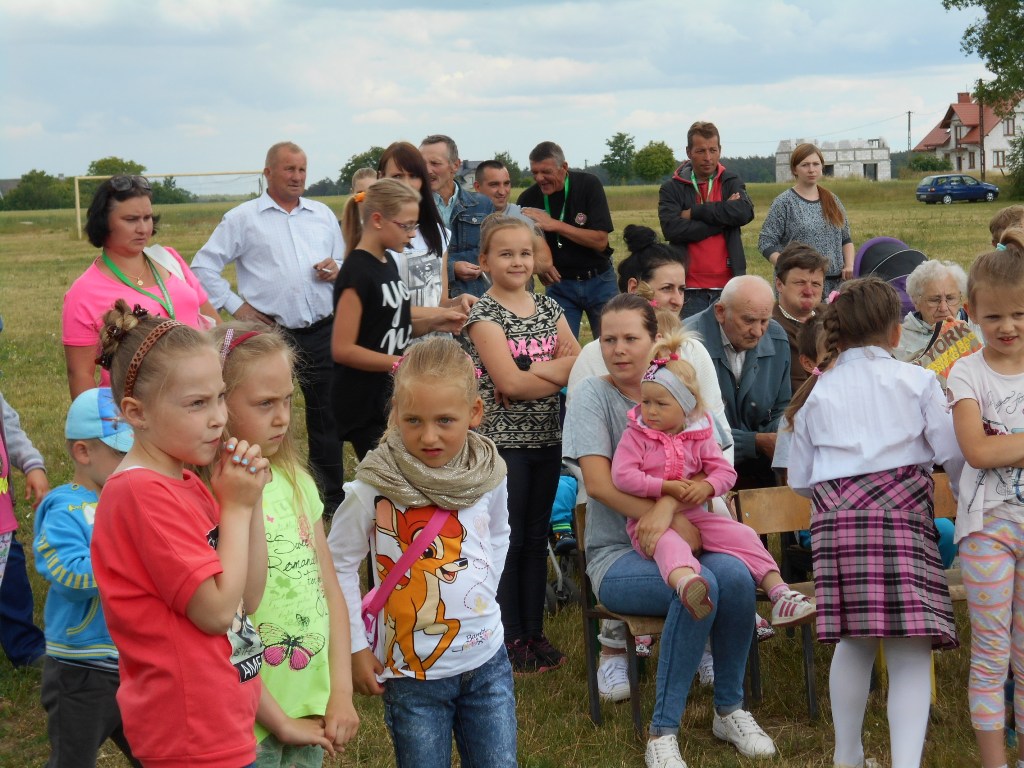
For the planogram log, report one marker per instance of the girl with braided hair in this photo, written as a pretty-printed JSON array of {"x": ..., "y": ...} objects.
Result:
[
  {"x": 867, "y": 469},
  {"x": 179, "y": 566}
]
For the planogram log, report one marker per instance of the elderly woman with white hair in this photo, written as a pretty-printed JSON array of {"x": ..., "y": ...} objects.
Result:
[{"x": 937, "y": 289}]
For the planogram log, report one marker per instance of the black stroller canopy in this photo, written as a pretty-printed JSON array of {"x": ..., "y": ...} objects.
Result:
[{"x": 891, "y": 260}]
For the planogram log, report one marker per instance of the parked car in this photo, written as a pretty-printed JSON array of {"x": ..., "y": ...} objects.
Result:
[{"x": 947, "y": 187}]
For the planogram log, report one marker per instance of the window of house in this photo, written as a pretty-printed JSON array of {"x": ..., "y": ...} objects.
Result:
[
  {"x": 1009, "y": 125},
  {"x": 999, "y": 158},
  {"x": 970, "y": 160}
]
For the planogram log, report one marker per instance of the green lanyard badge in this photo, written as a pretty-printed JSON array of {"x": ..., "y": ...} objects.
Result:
[
  {"x": 565, "y": 203},
  {"x": 164, "y": 302}
]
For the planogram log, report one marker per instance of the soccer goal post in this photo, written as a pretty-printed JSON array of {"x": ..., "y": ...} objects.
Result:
[{"x": 235, "y": 174}]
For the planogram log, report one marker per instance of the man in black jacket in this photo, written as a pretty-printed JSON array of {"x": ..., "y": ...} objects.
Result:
[{"x": 701, "y": 209}]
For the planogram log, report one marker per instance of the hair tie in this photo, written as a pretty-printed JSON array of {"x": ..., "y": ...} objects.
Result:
[
  {"x": 225, "y": 346},
  {"x": 832, "y": 297},
  {"x": 140, "y": 354},
  {"x": 1001, "y": 247},
  {"x": 394, "y": 365},
  {"x": 654, "y": 303},
  {"x": 661, "y": 362},
  {"x": 359, "y": 196},
  {"x": 817, "y": 371},
  {"x": 139, "y": 311}
]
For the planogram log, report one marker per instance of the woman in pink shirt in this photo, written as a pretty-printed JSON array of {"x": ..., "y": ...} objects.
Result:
[{"x": 121, "y": 222}]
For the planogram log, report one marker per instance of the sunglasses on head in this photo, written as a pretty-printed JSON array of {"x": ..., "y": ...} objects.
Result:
[{"x": 125, "y": 183}]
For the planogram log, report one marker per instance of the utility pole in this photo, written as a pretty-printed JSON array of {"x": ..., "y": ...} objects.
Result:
[
  {"x": 908, "y": 130},
  {"x": 981, "y": 127}
]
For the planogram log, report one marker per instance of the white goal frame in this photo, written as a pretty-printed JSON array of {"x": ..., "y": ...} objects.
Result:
[{"x": 78, "y": 197}]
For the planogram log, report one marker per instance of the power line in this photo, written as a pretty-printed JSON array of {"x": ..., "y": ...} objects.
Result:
[{"x": 828, "y": 133}]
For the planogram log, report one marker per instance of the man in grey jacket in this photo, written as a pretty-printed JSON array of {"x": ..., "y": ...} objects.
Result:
[{"x": 751, "y": 356}]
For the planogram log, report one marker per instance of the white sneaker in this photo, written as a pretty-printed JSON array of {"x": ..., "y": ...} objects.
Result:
[
  {"x": 706, "y": 669},
  {"x": 740, "y": 729},
  {"x": 663, "y": 752},
  {"x": 612, "y": 679},
  {"x": 792, "y": 608}
]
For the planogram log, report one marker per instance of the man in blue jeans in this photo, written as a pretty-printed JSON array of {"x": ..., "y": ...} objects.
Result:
[{"x": 572, "y": 210}]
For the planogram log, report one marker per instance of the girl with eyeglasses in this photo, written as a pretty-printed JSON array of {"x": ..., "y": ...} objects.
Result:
[
  {"x": 121, "y": 222},
  {"x": 374, "y": 320}
]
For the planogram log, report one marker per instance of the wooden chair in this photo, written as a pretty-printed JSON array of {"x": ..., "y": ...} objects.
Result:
[
  {"x": 775, "y": 511},
  {"x": 593, "y": 612}
]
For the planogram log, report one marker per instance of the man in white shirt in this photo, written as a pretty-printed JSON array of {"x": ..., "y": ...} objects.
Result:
[{"x": 287, "y": 250}]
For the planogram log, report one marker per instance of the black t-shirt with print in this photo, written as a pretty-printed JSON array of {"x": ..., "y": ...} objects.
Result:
[
  {"x": 587, "y": 209},
  {"x": 361, "y": 397}
]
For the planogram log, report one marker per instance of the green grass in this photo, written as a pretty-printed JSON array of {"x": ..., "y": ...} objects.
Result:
[{"x": 40, "y": 256}]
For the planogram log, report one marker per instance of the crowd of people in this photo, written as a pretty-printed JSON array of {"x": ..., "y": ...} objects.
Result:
[{"x": 202, "y": 568}]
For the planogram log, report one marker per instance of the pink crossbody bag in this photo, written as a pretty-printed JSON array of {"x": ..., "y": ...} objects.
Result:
[{"x": 374, "y": 600}]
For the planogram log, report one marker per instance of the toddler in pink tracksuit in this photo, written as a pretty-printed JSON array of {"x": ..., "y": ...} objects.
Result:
[{"x": 669, "y": 453}]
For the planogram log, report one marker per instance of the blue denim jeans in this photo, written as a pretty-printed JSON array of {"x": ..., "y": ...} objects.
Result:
[
  {"x": 479, "y": 706},
  {"x": 578, "y": 296},
  {"x": 22, "y": 640},
  {"x": 633, "y": 585}
]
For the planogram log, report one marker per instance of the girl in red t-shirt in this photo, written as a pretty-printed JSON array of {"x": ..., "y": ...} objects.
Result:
[{"x": 179, "y": 567}]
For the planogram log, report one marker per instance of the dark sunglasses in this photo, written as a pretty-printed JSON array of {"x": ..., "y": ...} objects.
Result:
[{"x": 125, "y": 183}]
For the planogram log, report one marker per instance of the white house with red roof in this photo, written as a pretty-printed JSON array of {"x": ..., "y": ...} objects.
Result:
[{"x": 958, "y": 136}]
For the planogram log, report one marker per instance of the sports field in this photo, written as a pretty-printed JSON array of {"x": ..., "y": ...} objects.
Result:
[{"x": 40, "y": 256}]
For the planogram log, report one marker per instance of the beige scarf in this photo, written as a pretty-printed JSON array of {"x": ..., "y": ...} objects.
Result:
[{"x": 459, "y": 484}]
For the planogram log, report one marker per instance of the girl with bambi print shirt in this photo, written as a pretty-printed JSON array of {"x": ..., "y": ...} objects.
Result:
[{"x": 523, "y": 344}]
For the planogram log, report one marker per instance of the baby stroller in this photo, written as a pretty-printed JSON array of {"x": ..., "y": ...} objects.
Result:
[
  {"x": 563, "y": 587},
  {"x": 890, "y": 259}
]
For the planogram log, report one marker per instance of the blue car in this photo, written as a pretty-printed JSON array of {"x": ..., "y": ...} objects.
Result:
[{"x": 946, "y": 188}]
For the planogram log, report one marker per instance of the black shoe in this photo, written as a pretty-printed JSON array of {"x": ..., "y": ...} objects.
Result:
[
  {"x": 548, "y": 656},
  {"x": 522, "y": 658}
]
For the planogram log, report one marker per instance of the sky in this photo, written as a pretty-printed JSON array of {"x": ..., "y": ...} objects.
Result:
[{"x": 208, "y": 85}]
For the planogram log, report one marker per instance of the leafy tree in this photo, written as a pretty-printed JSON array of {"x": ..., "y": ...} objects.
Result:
[
  {"x": 926, "y": 161},
  {"x": 1015, "y": 159},
  {"x": 998, "y": 38},
  {"x": 515, "y": 171},
  {"x": 654, "y": 162},
  {"x": 111, "y": 166},
  {"x": 326, "y": 187},
  {"x": 753, "y": 168},
  {"x": 368, "y": 159},
  {"x": 619, "y": 159},
  {"x": 600, "y": 171},
  {"x": 168, "y": 192},
  {"x": 39, "y": 190}
]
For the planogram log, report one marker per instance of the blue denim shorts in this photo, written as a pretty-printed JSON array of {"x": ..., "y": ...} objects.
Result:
[{"x": 478, "y": 707}]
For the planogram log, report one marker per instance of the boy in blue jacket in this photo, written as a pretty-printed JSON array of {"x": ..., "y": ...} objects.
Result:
[{"x": 80, "y": 678}]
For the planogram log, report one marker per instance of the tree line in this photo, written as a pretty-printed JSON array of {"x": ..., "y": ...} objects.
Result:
[{"x": 38, "y": 190}]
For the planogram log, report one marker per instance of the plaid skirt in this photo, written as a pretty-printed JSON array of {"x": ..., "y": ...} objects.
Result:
[{"x": 877, "y": 570}]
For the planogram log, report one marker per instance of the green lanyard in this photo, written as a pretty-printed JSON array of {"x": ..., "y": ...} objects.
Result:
[
  {"x": 565, "y": 203},
  {"x": 696, "y": 187},
  {"x": 165, "y": 302}
]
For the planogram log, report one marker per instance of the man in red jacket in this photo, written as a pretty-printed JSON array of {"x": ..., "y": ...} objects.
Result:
[{"x": 701, "y": 209}]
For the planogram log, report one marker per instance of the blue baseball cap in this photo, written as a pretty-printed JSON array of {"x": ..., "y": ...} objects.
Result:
[{"x": 93, "y": 416}]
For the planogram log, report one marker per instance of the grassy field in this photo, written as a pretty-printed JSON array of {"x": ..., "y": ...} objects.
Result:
[{"x": 40, "y": 256}]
